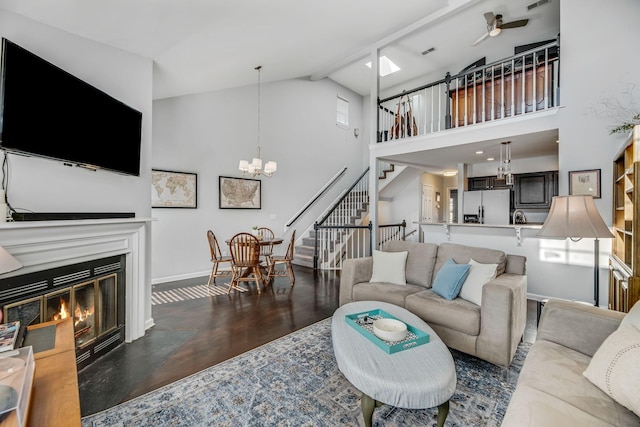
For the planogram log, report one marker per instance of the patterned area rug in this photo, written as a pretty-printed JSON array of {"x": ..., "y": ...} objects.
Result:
[{"x": 295, "y": 381}]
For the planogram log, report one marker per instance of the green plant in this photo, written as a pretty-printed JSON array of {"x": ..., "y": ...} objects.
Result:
[{"x": 255, "y": 227}]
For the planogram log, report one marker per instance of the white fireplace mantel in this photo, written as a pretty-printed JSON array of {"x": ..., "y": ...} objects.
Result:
[{"x": 41, "y": 245}]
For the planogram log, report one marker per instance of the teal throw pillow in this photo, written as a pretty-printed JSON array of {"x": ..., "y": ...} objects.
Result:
[{"x": 450, "y": 278}]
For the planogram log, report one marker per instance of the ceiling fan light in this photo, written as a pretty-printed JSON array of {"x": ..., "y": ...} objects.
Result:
[{"x": 495, "y": 30}]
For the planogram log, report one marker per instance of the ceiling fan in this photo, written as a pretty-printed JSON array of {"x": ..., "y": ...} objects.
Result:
[{"x": 495, "y": 25}]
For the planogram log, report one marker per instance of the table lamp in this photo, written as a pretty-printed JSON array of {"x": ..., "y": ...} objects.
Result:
[{"x": 577, "y": 217}]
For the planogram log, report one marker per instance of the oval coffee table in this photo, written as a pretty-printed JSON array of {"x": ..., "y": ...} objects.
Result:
[{"x": 417, "y": 378}]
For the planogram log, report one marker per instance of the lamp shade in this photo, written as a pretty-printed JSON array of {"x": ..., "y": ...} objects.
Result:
[
  {"x": 574, "y": 216},
  {"x": 8, "y": 262}
]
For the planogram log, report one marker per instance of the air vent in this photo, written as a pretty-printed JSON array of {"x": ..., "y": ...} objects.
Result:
[
  {"x": 431, "y": 49},
  {"x": 536, "y": 4}
]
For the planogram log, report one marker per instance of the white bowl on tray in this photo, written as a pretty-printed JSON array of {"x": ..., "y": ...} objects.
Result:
[{"x": 390, "y": 330}]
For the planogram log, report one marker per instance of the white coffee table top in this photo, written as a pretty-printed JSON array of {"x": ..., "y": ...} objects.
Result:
[{"x": 417, "y": 378}]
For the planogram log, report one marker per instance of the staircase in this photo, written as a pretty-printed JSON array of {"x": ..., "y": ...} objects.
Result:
[
  {"x": 358, "y": 210},
  {"x": 350, "y": 211}
]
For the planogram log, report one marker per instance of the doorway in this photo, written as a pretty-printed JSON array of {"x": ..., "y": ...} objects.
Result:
[{"x": 426, "y": 212}]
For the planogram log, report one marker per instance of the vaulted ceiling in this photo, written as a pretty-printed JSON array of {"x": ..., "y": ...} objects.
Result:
[{"x": 205, "y": 45}]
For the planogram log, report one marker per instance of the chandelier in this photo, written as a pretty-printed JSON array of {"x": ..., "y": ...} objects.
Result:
[
  {"x": 254, "y": 167},
  {"x": 504, "y": 170}
]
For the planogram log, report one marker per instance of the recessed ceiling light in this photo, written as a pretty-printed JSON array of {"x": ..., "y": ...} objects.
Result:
[
  {"x": 449, "y": 173},
  {"x": 490, "y": 159},
  {"x": 386, "y": 66},
  {"x": 479, "y": 152}
]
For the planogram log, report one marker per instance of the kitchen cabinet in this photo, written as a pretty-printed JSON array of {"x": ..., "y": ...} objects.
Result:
[
  {"x": 624, "y": 262},
  {"x": 535, "y": 190},
  {"x": 486, "y": 183}
]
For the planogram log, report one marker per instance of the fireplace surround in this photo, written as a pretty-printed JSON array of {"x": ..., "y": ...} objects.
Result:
[
  {"x": 92, "y": 293},
  {"x": 50, "y": 245}
]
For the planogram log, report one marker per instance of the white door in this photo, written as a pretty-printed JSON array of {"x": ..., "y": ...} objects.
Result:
[{"x": 427, "y": 204}]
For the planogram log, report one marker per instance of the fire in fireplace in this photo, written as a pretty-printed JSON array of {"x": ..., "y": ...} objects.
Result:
[{"x": 92, "y": 293}]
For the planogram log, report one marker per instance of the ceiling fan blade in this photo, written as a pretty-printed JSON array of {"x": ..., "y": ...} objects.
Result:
[
  {"x": 490, "y": 17},
  {"x": 484, "y": 36},
  {"x": 515, "y": 24}
]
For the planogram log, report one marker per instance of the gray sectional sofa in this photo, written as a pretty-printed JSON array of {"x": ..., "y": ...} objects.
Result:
[
  {"x": 552, "y": 388},
  {"x": 490, "y": 331}
]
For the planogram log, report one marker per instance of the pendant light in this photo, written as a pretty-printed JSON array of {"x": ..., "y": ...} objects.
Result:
[{"x": 254, "y": 168}]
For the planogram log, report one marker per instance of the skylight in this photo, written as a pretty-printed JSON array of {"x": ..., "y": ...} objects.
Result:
[{"x": 386, "y": 66}]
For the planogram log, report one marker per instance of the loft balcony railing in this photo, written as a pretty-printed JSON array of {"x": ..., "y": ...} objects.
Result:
[{"x": 524, "y": 83}]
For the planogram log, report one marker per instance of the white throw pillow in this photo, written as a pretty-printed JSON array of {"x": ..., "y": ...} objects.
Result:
[
  {"x": 389, "y": 267},
  {"x": 479, "y": 274},
  {"x": 633, "y": 317},
  {"x": 614, "y": 367}
]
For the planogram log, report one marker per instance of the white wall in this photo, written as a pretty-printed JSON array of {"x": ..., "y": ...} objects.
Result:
[
  {"x": 41, "y": 185},
  {"x": 47, "y": 186},
  {"x": 209, "y": 133},
  {"x": 596, "y": 65}
]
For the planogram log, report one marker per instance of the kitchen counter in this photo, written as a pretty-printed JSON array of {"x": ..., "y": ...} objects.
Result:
[
  {"x": 531, "y": 225},
  {"x": 520, "y": 231}
]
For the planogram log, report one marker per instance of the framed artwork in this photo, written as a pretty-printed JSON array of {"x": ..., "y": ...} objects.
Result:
[
  {"x": 585, "y": 183},
  {"x": 171, "y": 189},
  {"x": 240, "y": 193}
]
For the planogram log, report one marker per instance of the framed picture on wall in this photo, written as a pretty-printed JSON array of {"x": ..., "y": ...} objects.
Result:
[
  {"x": 171, "y": 189},
  {"x": 585, "y": 183},
  {"x": 239, "y": 193}
]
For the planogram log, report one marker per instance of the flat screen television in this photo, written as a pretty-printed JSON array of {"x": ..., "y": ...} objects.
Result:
[{"x": 47, "y": 112}]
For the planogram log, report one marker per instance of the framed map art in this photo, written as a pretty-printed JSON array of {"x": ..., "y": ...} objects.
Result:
[
  {"x": 171, "y": 189},
  {"x": 240, "y": 193}
]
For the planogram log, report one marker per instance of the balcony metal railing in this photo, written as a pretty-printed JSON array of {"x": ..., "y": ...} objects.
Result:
[{"x": 522, "y": 84}]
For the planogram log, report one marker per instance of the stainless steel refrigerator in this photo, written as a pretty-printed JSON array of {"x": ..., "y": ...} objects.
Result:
[{"x": 487, "y": 206}]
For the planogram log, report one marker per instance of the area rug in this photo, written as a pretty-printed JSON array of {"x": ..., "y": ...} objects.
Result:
[{"x": 295, "y": 381}]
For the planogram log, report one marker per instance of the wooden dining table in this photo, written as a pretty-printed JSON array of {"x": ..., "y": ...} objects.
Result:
[{"x": 263, "y": 242}]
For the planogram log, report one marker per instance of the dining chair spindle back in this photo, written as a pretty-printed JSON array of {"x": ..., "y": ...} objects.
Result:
[
  {"x": 266, "y": 250},
  {"x": 217, "y": 259},
  {"x": 286, "y": 260},
  {"x": 245, "y": 260}
]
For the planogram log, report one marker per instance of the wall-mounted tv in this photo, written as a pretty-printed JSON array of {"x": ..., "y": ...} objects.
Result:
[{"x": 47, "y": 112}]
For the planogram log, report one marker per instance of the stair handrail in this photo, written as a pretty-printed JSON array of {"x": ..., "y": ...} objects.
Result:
[
  {"x": 346, "y": 193},
  {"x": 315, "y": 198}
]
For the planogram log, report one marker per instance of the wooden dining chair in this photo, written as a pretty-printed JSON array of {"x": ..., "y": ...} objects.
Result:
[
  {"x": 285, "y": 259},
  {"x": 266, "y": 250},
  {"x": 217, "y": 259},
  {"x": 245, "y": 260}
]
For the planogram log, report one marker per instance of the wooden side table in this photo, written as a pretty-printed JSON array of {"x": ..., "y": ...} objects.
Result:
[{"x": 55, "y": 399}]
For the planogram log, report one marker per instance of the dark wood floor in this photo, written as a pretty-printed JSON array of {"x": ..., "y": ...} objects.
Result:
[{"x": 192, "y": 335}]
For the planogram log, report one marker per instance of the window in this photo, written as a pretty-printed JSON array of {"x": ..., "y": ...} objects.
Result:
[{"x": 342, "y": 117}]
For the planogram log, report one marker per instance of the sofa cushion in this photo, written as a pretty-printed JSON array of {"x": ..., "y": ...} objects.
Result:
[
  {"x": 479, "y": 274},
  {"x": 458, "y": 314},
  {"x": 461, "y": 254},
  {"x": 387, "y": 292},
  {"x": 450, "y": 278},
  {"x": 389, "y": 267},
  {"x": 420, "y": 261},
  {"x": 614, "y": 367},
  {"x": 633, "y": 317},
  {"x": 556, "y": 371}
]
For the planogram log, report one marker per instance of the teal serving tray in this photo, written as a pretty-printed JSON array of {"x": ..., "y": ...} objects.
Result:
[{"x": 415, "y": 337}]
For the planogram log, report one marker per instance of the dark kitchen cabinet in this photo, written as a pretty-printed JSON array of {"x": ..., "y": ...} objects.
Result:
[
  {"x": 535, "y": 190},
  {"x": 486, "y": 183}
]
